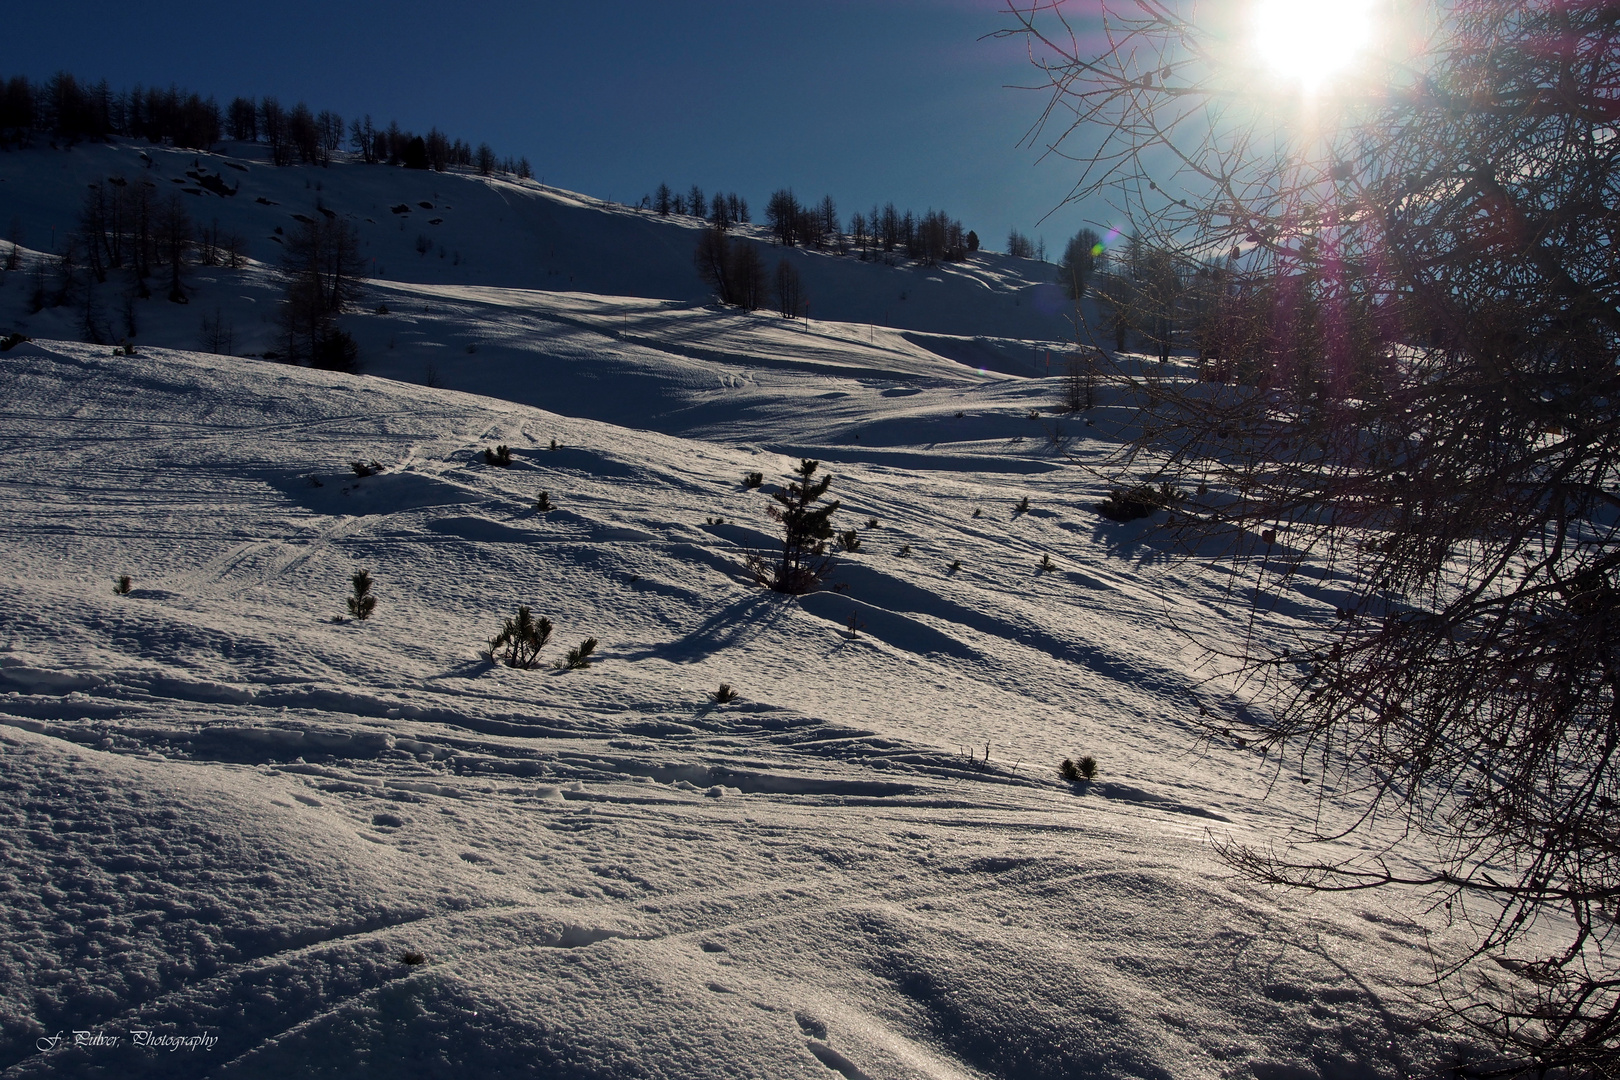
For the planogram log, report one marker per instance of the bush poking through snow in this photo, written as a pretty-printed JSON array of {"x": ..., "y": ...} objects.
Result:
[
  {"x": 905, "y": 551},
  {"x": 1046, "y": 565},
  {"x": 543, "y": 503},
  {"x": 849, "y": 540},
  {"x": 1077, "y": 772},
  {"x": 1143, "y": 500},
  {"x": 362, "y": 603},
  {"x": 553, "y": 444},
  {"x": 579, "y": 656},
  {"x": 123, "y": 585},
  {"x": 521, "y": 638},
  {"x": 724, "y": 695},
  {"x": 1023, "y": 506},
  {"x": 500, "y": 457},
  {"x": 411, "y": 959},
  {"x": 956, "y": 565},
  {"x": 753, "y": 480},
  {"x": 364, "y": 469}
]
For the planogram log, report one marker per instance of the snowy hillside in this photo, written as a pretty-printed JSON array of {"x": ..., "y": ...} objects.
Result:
[
  {"x": 291, "y": 843},
  {"x": 513, "y": 234}
]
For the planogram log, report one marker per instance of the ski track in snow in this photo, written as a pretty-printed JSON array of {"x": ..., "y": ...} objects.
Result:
[{"x": 226, "y": 812}]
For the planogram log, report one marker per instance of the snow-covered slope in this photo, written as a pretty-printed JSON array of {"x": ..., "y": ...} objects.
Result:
[
  {"x": 514, "y": 234},
  {"x": 341, "y": 848}
]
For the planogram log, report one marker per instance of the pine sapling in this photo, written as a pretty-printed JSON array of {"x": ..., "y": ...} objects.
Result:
[
  {"x": 850, "y": 540},
  {"x": 543, "y": 503},
  {"x": 522, "y": 638},
  {"x": 805, "y": 561},
  {"x": 724, "y": 695},
  {"x": 1088, "y": 767},
  {"x": 956, "y": 565},
  {"x": 362, "y": 603},
  {"x": 1046, "y": 565},
  {"x": 579, "y": 656},
  {"x": 500, "y": 457},
  {"x": 1023, "y": 506},
  {"x": 123, "y": 585},
  {"x": 753, "y": 480}
]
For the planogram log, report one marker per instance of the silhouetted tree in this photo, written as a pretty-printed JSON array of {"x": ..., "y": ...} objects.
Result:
[
  {"x": 790, "y": 298},
  {"x": 244, "y": 120},
  {"x": 1425, "y": 307},
  {"x": 323, "y": 269},
  {"x": 782, "y": 216}
]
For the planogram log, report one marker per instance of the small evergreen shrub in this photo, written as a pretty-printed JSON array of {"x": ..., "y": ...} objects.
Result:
[
  {"x": 905, "y": 551},
  {"x": 871, "y": 523},
  {"x": 521, "y": 638},
  {"x": 543, "y": 503},
  {"x": 956, "y": 565},
  {"x": 579, "y": 656},
  {"x": 753, "y": 480},
  {"x": 724, "y": 695},
  {"x": 553, "y": 444},
  {"x": 1143, "y": 500},
  {"x": 978, "y": 511},
  {"x": 1023, "y": 506},
  {"x": 855, "y": 626},
  {"x": 500, "y": 457},
  {"x": 382, "y": 309},
  {"x": 1077, "y": 771},
  {"x": 850, "y": 540},
  {"x": 411, "y": 959},
  {"x": 362, "y": 603},
  {"x": 364, "y": 469},
  {"x": 1046, "y": 564},
  {"x": 123, "y": 585}
]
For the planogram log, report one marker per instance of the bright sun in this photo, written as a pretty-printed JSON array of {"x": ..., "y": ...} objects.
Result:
[{"x": 1309, "y": 41}]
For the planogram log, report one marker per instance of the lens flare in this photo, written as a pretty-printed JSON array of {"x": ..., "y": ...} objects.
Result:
[{"x": 1308, "y": 42}]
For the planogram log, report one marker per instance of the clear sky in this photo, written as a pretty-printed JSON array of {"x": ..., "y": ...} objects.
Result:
[{"x": 865, "y": 100}]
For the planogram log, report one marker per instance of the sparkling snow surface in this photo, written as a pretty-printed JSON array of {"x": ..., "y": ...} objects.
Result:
[{"x": 225, "y": 816}]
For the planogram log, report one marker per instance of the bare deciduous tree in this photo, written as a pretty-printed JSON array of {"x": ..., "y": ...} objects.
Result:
[{"x": 1412, "y": 376}]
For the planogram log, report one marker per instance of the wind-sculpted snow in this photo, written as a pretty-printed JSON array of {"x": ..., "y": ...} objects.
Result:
[{"x": 281, "y": 841}]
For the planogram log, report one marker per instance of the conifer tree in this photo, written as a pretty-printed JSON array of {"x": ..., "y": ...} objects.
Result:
[{"x": 806, "y": 527}]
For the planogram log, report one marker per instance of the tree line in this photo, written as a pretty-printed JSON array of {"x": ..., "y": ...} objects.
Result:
[
  {"x": 67, "y": 110},
  {"x": 930, "y": 238}
]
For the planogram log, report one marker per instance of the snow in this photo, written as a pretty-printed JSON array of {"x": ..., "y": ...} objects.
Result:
[{"x": 230, "y": 813}]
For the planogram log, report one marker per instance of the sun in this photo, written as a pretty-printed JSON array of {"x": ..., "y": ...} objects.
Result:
[{"x": 1308, "y": 42}]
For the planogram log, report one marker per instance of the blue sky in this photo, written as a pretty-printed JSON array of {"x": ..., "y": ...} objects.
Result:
[{"x": 865, "y": 100}]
